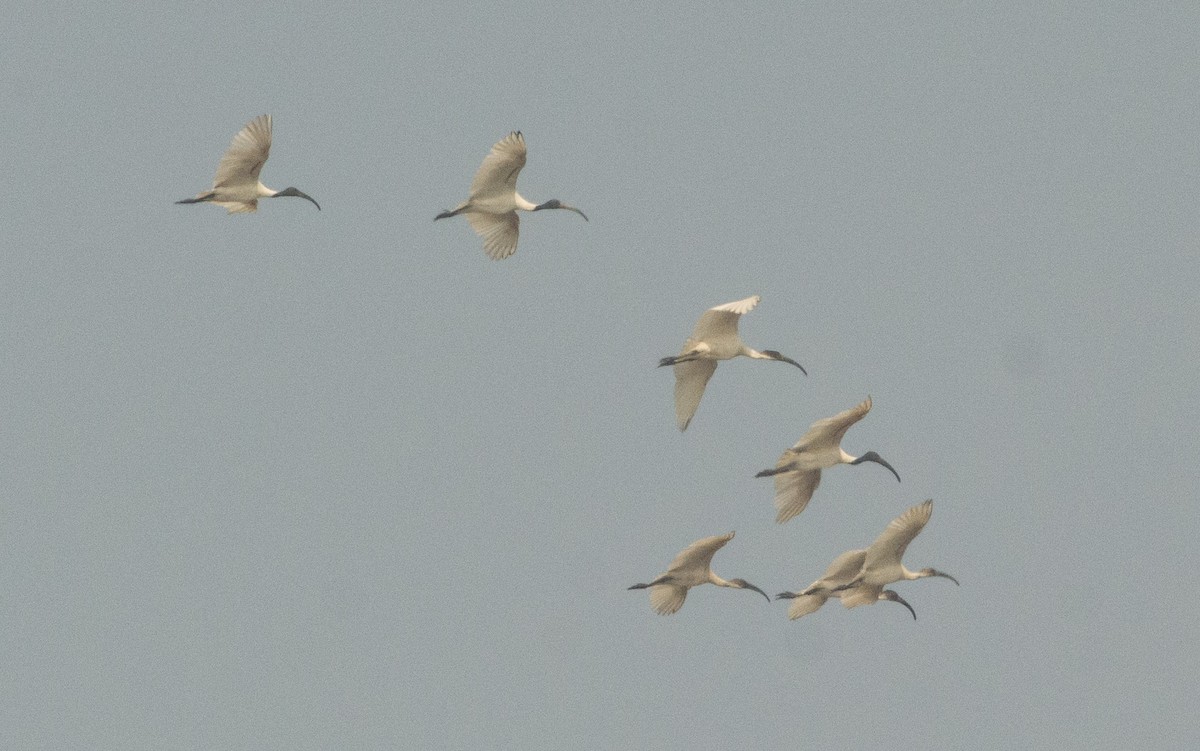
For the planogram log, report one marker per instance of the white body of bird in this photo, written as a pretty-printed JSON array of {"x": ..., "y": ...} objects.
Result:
[
  {"x": 842, "y": 571},
  {"x": 236, "y": 186},
  {"x": 691, "y": 568},
  {"x": 797, "y": 473},
  {"x": 492, "y": 206},
  {"x": 714, "y": 338},
  {"x": 882, "y": 564}
]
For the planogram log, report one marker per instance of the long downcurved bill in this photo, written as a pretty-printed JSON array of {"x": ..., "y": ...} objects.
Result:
[
  {"x": 890, "y": 595},
  {"x": 297, "y": 194},
  {"x": 782, "y": 358},
  {"x": 747, "y": 585},
  {"x": 554, "y": 203},
  {"x": 871, "y": 456}
]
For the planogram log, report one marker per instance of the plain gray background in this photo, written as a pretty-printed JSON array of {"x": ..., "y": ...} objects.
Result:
[{"x": 333, "y": 479}]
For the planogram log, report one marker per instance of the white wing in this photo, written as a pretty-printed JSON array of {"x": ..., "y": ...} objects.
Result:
[
  {"x": 860, "y": 595},
  {"x": 690, "y": 379},
  {"x": 499, "y": 232},
  {"x": 739, "y": 306},
  {"x": 237, "y": 207},
  {"x": 830, "y": 431},
  {"x": 244, "y": 158},
  {"x": 805, "y": 604},
  {"x": 843, "y": 569},
  {"x": 696, "y": 558},
  {"x": 498, "y": 173},
  {"x": 888, "y": 549},
  {"x": 667, "y": 598},
  {"x": 722, "y": 320},
  {"x": 793, "y": 490}
]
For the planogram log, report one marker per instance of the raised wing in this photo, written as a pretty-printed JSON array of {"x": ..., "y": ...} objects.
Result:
[
  {"x": 722, "y": 320},
  {"x": 246, "y": 155},
  {"x": 793, "y": 491},
  {"x": 888, "y": 549},
  {"x": 690, "y": 379},
  {"x": 698, "y": 556},
  {"x": 831, "y": 430},
  {"x": 843, "y": 569},
  {"x": 498, "y": 173},
  {"x": 499, "y": 232}
]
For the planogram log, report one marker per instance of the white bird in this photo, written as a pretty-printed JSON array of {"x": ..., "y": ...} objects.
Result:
[
  {"x": 842, "y": 571},
  {"x": 236, "y": 186},
  {"x": 882, "y": 565},
  {"x": 714, "y": 338},
  {"x": 798, "y": 471},
  {"x": 492, "y": 205},
  {"x": 692, "y": 567}
]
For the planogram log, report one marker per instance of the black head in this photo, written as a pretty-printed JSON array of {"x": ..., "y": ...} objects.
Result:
[
  {"x": 554, "y": 203},
  {"x": 871, "y": 456},
  {"x": 743, "y": 584},
  {"x": 935, "y": 572},
  {"x": 890, "y": 595},
  {"x": 776, "y": 356},
  {"x": 298, "y": 194}
]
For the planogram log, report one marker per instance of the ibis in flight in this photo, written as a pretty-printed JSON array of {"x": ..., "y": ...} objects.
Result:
[
  {"x": 491, "y": 208},
  {"x": 692, "y": 567},
  {"x": 714, "y": 338},
  {"x": 882, "y": 566},
  {"x": 236, "y": 186},
  {"x": 798, "y": 471},
  {"x": 842, "y": 571}
]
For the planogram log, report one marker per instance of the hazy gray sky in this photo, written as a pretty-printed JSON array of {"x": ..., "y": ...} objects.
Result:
[{"x": 313, "y": 480}]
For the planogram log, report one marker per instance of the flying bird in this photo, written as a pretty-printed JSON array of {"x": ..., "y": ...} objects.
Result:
[
  {"x": 882, "y": 566},
  {"x": 692, "y": 567},
  {"x": 842, "y": 571},
  {"x": 492, "y": 205},
  {"x": 714, "y": 338},
  {"x": 236, "y": 186},
  {"x": 798, "y": 471}
]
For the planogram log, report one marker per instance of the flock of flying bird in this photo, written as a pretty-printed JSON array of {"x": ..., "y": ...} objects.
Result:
[{"x": 856, "y": 577}]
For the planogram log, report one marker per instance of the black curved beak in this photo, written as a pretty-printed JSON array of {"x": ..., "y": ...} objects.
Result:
[
  {"x": 871, "y": 456},
  {"x": 297, "y": 194},
  {"x": 554, "y": 203},
  {"x": 944, "y": 575},
  {"x": 787, "y": 595},
  {"x": 748, "y": 585},
  {"x": 889, "y": 594},
  {"x": 776, "y": 356}
]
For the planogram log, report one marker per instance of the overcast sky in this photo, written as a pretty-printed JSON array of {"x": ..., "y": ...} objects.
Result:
[{"x": 327, "y": 479}]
